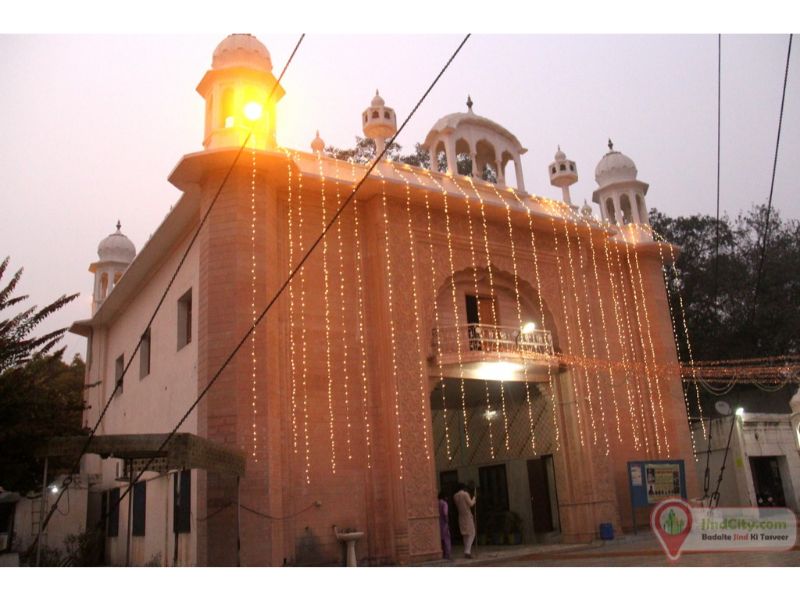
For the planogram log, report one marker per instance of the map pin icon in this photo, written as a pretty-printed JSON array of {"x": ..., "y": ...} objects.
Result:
[{"x": 671, "y": 521}]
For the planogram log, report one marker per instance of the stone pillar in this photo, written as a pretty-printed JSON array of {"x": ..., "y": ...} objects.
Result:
[
  {"x": 434, "y": 158},
  {"x": 501, "y": 178},
  {"x": 518, "y": 171},
  {"x": 476, "y": 171},
  {"x": 618, "y": 218},
  {"x": 450, "y": 151}
]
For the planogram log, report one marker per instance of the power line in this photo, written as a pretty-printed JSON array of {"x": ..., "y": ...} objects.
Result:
[
  {"x": 719, "y": 120},
  {"x": 771, "y": 185},
  {"x": 68, "y": 480},
  {"x": 292, "y": 273}
]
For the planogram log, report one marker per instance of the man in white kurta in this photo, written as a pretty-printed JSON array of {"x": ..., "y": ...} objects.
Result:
[{"x": 466, "y": 524}]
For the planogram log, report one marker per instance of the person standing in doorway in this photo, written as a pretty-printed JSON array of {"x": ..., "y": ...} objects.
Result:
[
  {"x": 466, "y": 524},
  {"x": 444, "y": 525}
]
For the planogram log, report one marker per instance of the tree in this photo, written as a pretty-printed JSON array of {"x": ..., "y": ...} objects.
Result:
[
  {"x": 39, "y": 399},
  {"x": 725, "y": 316},
  {"x": 17, "y": 345},
  {"x": 40, "y": 396}
]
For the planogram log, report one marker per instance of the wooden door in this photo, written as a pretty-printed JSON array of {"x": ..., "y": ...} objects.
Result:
[{"x": 540, "y": 496}]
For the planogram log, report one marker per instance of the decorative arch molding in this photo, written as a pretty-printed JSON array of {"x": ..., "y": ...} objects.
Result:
[{"x": 502, "y": 283}]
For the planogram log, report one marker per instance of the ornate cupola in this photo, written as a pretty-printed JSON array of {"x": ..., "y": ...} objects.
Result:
[
  {"x": 620, "y": 194},
  {"x": 115, "y": 252},
  {"x": 563, "y": 173},
  {"x": 379, "y": 122},
  {"x": 488, "y": 145},
  {"x": 237, "y": 94}
]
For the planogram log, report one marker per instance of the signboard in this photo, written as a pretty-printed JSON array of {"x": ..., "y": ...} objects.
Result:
[
  {"x": 663, "y": 481},
  {"x": 652, "y": 481}
]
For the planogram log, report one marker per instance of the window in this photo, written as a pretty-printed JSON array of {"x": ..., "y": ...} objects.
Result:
[
  {"x": 119, "y": 367},
  {"x": 375, "y": 114},
  {"x": 144, "y": 355},
  {"x": 139, "y": 508},
  {"x": 562, "y": 167},
  {"x": 113, "y": 512},
  {"x": 386, "y": 115},
  {"x": 185, "y": 319},
  {"x": 227, "y": 108},
  {"x": 103, "y": 285},
  {"x": 182, "y": 502}
]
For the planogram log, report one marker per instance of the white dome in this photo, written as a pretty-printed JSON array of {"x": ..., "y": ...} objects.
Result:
[
  {"x": 615, "y": 167},
  {"x": 377, "y": 101},
  {"x": 452, "y": 122},
  {"x": 560, "y": 154},
  {"x": 116, "y": 248},
  {"x": 241, "y": 50}
]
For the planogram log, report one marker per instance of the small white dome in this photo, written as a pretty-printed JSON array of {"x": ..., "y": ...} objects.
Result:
[
  {"x": 241, "y": 50},
  {"x": 116, "y": 248},
  {"x": 560, "y": 154},
  {"x": 615, "y": 167},
  {"x": 377, "y": 101}
]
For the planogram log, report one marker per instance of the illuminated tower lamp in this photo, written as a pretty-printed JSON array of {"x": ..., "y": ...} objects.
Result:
[
  {"x": 563, "y": 173},
  {"x": 379, "y": 122},
  {"x": 237, "y": 94}
]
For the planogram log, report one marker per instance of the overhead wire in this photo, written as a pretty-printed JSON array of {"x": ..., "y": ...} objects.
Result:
[
  {"x": 771, "y": 186},
  {"x": 288, "y": 280},
  {"x": 68, "y": 480}
]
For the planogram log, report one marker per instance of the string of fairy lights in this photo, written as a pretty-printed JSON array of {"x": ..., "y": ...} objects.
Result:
[
  {"x": 518, "y": 303},
  {"x": 591, "y": 259},
  {"x": 412, "y": 252},
  {"x": 474, "y": 272},
  {"x": 343, "y": 320},
  {"x": 535, "y": 260},
  {"x": 253, "y": 290},
  {"x": 362, "y": 346},
  {"x": 326, "y": 310},
  {"x": 390, "y": 309}
]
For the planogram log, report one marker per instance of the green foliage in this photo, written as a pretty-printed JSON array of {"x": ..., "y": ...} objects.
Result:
[
  {"x": 17, "y": 345},
  {"x": 364, "y": 152},
  {"x": 40, "y": 399},
  {"x": 725, "y": 318}
]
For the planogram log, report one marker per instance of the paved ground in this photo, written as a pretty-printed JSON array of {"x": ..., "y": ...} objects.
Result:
[{"x": 641, "y": 550}]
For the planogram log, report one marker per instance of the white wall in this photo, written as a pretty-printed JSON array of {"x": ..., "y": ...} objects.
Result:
[{"x": 152, "y": 404}]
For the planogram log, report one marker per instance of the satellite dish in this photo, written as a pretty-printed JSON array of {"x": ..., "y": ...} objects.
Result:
[{"x": 722, "y": 408}]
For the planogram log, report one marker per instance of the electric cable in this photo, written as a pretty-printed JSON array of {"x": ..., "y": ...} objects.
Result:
[
  {"x": 68, "y": 480},
  {"x": 771, "y": 186},
  {"x": 292, "y": 273}
]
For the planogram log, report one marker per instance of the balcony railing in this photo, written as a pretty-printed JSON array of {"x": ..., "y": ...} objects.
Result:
[{"x": 480, "y": 339}]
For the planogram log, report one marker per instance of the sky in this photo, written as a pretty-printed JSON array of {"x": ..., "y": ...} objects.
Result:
[{"x": 93, "y": 124}]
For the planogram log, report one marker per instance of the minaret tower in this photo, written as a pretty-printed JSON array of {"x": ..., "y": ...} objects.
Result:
[
  {"x": 115, "y": 252},
  {"x": 563, "y": 174},
  {"x": 379, "y": 122},
  {"x": 237, "y": 94}
]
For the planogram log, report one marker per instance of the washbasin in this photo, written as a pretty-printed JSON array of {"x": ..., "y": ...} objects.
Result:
[{"x": 349, "y": 538}]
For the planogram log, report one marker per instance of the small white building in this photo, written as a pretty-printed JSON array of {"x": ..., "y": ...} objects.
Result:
[{"x": 763, "y": 462}]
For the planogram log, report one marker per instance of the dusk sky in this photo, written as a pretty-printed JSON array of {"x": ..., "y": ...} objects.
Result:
[{"x": 92, "y": 125}]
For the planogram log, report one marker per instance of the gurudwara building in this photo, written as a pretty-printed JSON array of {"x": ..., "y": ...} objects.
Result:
[{"x": 449, "y": 326}]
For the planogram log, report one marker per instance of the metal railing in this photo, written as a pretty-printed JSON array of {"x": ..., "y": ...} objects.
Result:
[{"x": 491, "y": 339}]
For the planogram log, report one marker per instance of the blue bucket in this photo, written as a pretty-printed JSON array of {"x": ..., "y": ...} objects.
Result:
[{"x": 606, "y": 531}]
